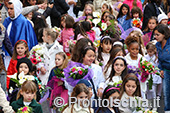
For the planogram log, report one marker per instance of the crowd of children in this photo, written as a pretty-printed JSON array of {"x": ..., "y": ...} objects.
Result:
[{"x": 109, "y": 51}]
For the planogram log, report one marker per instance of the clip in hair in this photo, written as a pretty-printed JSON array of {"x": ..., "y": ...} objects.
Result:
[
  {"x": 118, "y": 43},
  {"x": 39, "y": 16},
  {"x": 112, "y": 88},
  {"x": 104, "y": 37}
]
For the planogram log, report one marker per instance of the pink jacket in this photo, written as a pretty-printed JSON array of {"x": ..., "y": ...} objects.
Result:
[
  {"x": 130, "y": 4},
  {"x": 65, "y": 35}
]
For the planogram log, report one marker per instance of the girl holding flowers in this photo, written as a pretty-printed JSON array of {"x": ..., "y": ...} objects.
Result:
[
  {"x": 20, "y": 51},
  {"x": 56, "y": 78},
  {"x": 26, "y": 99}
]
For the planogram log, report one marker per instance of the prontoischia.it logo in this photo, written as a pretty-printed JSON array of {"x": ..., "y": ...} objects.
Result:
[{"x": 131, "y": 102}]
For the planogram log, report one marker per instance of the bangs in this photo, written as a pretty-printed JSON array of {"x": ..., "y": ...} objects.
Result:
[{"x": 107, "y": 41}]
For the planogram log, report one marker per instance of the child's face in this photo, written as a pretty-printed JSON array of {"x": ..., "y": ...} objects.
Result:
[
  {"x": 120, "y": 53},
  {"x": 164, "y": 21},
  {"x": 90, "y": 92},
  {"x": 105, "y": 15},
  {"x": 150, "y": 52},
  {"x": 23, "y": 67},
  {"x": 134, "y": 50},
  {"x": 104, "y": 8},
  {"x": 130, "y": 87},
  {"x": 89, "y": 57},
  {"x": 44, "y": 37},
  {"x": 88, "y": 10},
  {"x": 63, "y": 23},
  {"x": 29, "y": 15},
  {"x": 114, "y": 96},
  {"x": 152, "y": 24},
  {"x": 59, "y": 60},
  {"x": 106, "y": 47},
  {"x": 124, "y": 10},
  {"x": 21, "y": 49},
  {"x": 32, "y": 2},
  {"x": 119, "y": 66},
  {"x": 136, "y": 15},
  {"x": 82, "y": 96},
  {"x": 28, "y": 96}
]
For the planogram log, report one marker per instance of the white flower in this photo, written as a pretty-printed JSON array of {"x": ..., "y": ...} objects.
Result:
[
  {"x": 21, "y": 81},
  {"x": 96, "y": 21},
  {"x": 10, "y": 90},
  {"x": 96, "y": 14},
  {"x": 104, "y": 26},
  {"x": 29, "y": 77},
  {"x": 21, "y": 75}
]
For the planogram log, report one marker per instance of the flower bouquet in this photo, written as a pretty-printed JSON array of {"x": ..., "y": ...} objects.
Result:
[
  {"x": 59, "y": 73},
  {"x": 36, "y": 54},
  {"x": 148, "y": 111},
  {"x": 22, "y": 78},
  {"x": 118, "y": 84},
  {"x": 133, "y": 69},
  {"x": 25, "y": 109},
  {"x": 136, "y": 22},
  {"x": 96, "y": 43},
  {"x": 76, "y": 71},
  {"x": 147, "y": 69}
]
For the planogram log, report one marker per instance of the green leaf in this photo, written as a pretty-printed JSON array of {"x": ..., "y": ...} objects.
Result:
[{"x": 150, "y": 81}]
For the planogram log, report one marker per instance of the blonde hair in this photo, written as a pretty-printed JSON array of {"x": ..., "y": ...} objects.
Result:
[
  {"x": 29, "y": 86},
  {"x": 91, "y": 6},
  {"x": 14, "y": 56},
  {"x": 65, "y": 62},
  {"x": 52, "y": 33},
  {"x": 108, "y": 6}
]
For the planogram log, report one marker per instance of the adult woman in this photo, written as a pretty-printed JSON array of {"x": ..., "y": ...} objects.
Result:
[{"x": 162, "y": 34}]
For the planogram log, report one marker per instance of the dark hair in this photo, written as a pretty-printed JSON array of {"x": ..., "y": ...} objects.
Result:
[
  {"x": 79, "y": 30},
  {"x": 100, "y": 49},
  {"x": 124, "y": 72},
  {"x": 131, "y": 76},
  {"x": 121, "y": 14},
  {"x": 113, "y": 54},
  {"x": 69, "y": 20},
  {"x": 152, "y": 47},
  {"x": 39, "y": 24},
  {"x": 79, "y": 46},
  {"x": 86, "y": 25},
  {"x": 111, "y": 17},
  {"x": 84, "y": 51},
  {"x": 106, "y": 95},
  {"x": 136, "y": 10},
  {"x": 104, "y": 14},
  {"x": 109, "y": 8},
  {"x": 163, "y": 29}
]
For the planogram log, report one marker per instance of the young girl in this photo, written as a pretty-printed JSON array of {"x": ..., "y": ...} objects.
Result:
[
  {"x": 23, "y": 65},
  {"x": 88, "y": 9},
  {"x": 163, "y": 19},
  {"x": 116, "y": 51},
  {"x": 104, "y": 50},
  {"x": 157, "y": 80},
  {"x": 26, "y": 97},
  {"x": 152, "y": 23},
  {"x": 133, "y": 47},
  {"x": 87, "y": 27},
  {"x": 50, "y": 48},
  {"x": 106, "y": 7},
  {"x": 109, "y": 92},
  {"x": 104, "y": 15},
  {"x": 136, "y": 12},
  {"x": 118, "y": 72},
  {"x": 56, "y": 81},
  {"x": 130, "y": 88},
  {"x": 124, "y": 18},
  {"x": 80, "y": 91},
  {"x": 20, "y": 51},
  {"x": 67, "y": 31}
]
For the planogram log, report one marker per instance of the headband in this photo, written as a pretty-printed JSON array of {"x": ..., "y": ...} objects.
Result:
[
  {"x": 112, "y": 88},
  {"x": 118, "y": 43},
  {"x": 23, "y": 41},
  {"x": 104, "y": 37},
  {"x": 120, "y": 57}
]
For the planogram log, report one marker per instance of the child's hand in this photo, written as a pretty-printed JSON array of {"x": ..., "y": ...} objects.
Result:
[
  {"x": 100, "y": 92},
  {"x": 43, "y": 70},
  {"x": 71, "y": 2},
  {"x": 60, "y": 83},
  {"x": 162, "y": 73},
  {"x": 50, "y": 5}
]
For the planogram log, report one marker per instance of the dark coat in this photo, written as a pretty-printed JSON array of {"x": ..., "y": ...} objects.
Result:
[{"x": 34, "y": 105}]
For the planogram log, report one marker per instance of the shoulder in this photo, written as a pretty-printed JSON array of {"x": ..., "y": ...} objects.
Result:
[{"x": 95, "y": 66}]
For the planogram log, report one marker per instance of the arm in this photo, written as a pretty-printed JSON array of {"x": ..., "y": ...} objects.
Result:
[
  {"x": 8, "y": 45},
  {"x": 47, "y": 12},
  {"x": 29, "y": 9},
  {"x": 4, "y": 103},
  {"x": 63, "y": 4}
]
